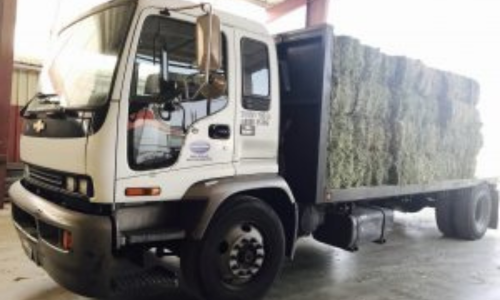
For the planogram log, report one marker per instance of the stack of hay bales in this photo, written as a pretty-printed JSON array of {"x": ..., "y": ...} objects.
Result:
[{"x": 395, "y": 121}]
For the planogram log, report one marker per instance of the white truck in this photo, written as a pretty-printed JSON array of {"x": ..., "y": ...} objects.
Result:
[{"x": 156, "y": 132}]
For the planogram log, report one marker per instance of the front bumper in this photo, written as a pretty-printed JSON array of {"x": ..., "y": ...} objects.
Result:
[{"x": 87, "y": 267}]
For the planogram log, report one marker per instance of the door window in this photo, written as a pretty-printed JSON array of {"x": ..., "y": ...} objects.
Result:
[
  {"x": 256, "y": 75},
  {"x": 158, "y": 124}
]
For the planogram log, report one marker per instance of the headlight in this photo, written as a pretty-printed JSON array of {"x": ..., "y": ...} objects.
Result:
[
  {"x": 83, "y": 186},
  {"x": 71, "y": 184}
]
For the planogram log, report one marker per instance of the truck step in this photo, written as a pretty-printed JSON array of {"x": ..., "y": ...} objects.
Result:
[
  {"x": 152, "y": 235},
  {"x": 156, "y": 277}
]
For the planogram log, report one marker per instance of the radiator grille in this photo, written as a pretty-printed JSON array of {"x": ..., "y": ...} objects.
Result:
[{"x": 45, "y": 177}]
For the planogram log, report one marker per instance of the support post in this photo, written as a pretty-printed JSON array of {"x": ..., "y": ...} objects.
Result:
[
  {"x": 284, "y": 8},
  {"x": 7, "y": 25},
  {"x": 317, "y": 12}
]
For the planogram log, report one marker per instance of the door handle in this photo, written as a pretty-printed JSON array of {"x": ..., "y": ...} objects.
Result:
[{"x": 219, "y": 131}]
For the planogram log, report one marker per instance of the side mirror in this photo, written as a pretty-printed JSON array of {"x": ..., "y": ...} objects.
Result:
[
  {"x": 163, "y": 76},
  {"x": 165, "y": 64},
  {"x": 168, "y": 88},
  {"x": 208, "y": 43},
  {"x": 157, "y": 84},
  {"x": 159, "y": 87}
]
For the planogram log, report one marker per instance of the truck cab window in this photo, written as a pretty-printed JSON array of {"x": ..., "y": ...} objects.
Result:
[
  {"x": 256, "y": 75},
  {"x": 159, "y": 118}
]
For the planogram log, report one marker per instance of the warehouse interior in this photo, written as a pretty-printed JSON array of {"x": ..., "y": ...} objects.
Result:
[{"x": 416, "y": 262}]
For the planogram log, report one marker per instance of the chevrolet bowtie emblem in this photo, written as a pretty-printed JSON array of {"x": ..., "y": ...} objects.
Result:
[{"x": 39, "y": 126}]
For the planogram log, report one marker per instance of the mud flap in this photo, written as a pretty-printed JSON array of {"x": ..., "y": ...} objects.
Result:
[{"x": 494, "y": 208}]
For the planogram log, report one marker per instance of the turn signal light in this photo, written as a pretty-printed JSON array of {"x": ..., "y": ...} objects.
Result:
[
  {"x": 141, "y": 191},
  {"x": 67, "y": 240}
]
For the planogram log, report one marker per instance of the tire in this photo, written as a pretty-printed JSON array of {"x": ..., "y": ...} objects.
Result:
[
  {"x": 444, "y": 215},
  {"x": 189, "y": 268},
  {"x": 472, "y": 213},
  {"x": 240, "y": 255}
]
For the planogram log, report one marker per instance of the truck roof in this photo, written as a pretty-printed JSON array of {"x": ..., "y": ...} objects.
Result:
[{"x": 226, "y": 18}]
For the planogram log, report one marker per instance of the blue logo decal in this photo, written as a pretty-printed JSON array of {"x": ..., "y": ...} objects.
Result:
[{"x": 199, "y": 147}]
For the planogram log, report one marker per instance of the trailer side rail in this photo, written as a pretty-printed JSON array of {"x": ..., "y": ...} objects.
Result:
[{"x": 393, "y": 191}]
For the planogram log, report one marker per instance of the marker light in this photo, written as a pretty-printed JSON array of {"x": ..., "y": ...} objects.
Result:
[
  {"x": 67, "y": 240},
  {"x": 142, "y": 191}
]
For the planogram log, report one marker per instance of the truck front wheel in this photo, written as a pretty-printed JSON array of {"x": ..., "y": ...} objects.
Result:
[{"x": 240, "y": 255}]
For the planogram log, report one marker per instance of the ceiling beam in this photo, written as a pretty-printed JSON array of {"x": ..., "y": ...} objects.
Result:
[
  {"x": 286, "y": 7},
  {"x": 317, "y": 10}
]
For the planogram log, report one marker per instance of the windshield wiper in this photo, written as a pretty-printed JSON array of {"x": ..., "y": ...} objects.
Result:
[
  {"x": 60, "y": 112},
  {"x": 49, "y": 100},
  {"x": 44, "y": 99}
]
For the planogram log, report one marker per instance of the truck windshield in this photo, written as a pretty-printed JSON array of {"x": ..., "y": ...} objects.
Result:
[{"x": 79, "y": 74}]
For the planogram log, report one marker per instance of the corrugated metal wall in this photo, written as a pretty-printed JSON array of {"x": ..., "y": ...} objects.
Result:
[
  {"x": 24, "y": 83},
  {"x": 24, "y": 87}
]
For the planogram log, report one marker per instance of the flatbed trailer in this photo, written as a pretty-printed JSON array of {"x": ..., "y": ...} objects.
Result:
[{"x": 305, "y": 108}]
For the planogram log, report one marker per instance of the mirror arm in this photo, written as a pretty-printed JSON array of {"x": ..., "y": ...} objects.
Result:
[
  {"x": 207, "y": 8},
  {"x": 209, "y": 53},
  {"x": 186, "y": 89}
]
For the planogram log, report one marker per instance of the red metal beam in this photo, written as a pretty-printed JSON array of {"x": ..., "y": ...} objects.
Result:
[
  {"x": 317, "y": 10},
  {"x": 284, "y": 8},
  {"x": 7, "y": 24}
]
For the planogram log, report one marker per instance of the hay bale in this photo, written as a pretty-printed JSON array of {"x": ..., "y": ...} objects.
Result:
[{"x": 396, "y": 121}]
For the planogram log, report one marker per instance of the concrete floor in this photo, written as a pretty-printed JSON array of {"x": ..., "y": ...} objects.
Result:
[{"x": 415, "y": 264}]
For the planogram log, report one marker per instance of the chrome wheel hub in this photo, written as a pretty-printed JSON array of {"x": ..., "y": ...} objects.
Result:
[{"x": 242, "y": 254}]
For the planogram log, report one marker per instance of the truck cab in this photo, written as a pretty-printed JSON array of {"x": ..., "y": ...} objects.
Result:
[{"x": 113, "y": 130}]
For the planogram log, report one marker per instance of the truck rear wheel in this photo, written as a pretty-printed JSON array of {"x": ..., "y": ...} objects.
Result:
[
  {"x": 444, "y": 216},
  {"x": 240, "y": 255},
  {"x": 465, "y": 214},
  {"x": 472, "y": 213}
]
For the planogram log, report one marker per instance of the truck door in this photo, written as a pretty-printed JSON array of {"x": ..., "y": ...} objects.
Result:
[
  {"x": 257, "y": 117},
  {"x": 176, "y": 143}
]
